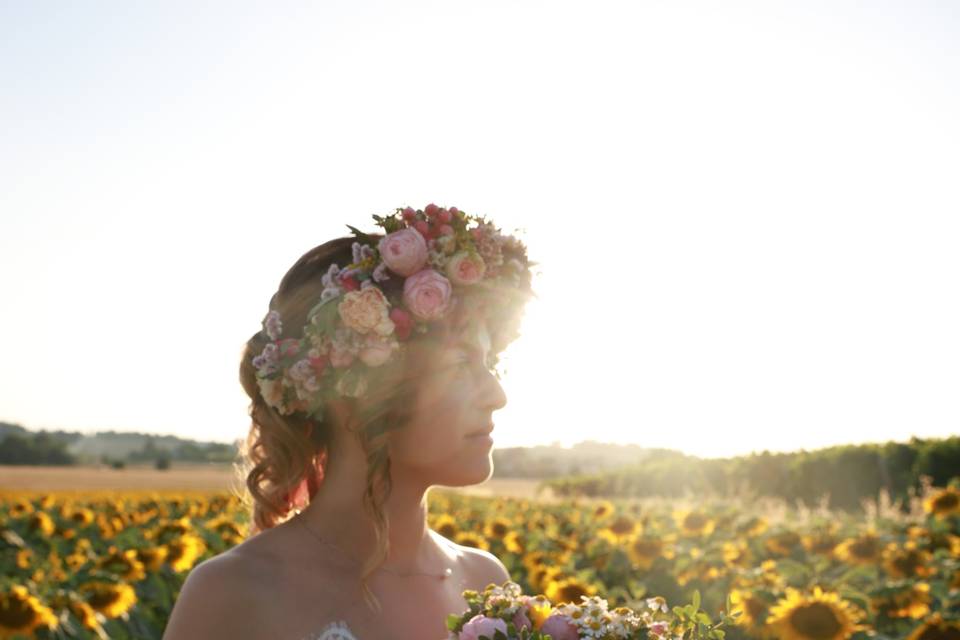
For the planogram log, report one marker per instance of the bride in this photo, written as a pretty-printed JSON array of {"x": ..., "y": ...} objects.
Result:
[{"x": 387, "y": 390}]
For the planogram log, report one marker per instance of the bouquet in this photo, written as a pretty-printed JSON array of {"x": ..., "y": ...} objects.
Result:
[{"x": 505, "y": 613}]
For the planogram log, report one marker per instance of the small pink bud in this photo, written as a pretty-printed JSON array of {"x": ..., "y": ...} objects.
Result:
[
  {"x": 431, "y": 210},
  {"x": 423, "y": 228}
]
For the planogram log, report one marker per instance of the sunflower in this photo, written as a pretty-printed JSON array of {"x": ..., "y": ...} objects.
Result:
[
  {"x": 823, "y": 615},
  {"x": 470, "y": 539},
  {"x": 542, "y": 576},
  {"x": 568, "y": 589},
  {"x": 108, "y": 598},
  {"x": 782, "y": 543},
  {"x": 123, "y": 564},
  {"x": 514, "y": 543},
  {"x": 820, "y": 542},
  {"x": 737, "y": 554},
  {"x": 863, "y": 549},
  {"x": 497, "y": 528},
  {"x": 603, "y": 509},
  {"x": 82, "y": 516},
  {"x": 907, "y": 561},
  {"x": 753, "y": 610},
  {"x": 909, "y": 601},
  {"x": 936, "y": 628},
  {"x": 21, "y": 613},
  {"x": 24, "y": 558},
  {"x": 85, "y": 614},
  {"x": 621, "y": 530},
  {"x": 152, "y": 557},
  {"x": 42, "y": 522},
  {"x": 942, "y": 503},
  {"x": 753, "y": 527},
  {"x": 183, "y": 553},
  {"x": 694, "y": 523},
  {"x": 644, "y": 551},
  {"x": 20, "y": 508},
  {"x": 446, "y": 526},
  {"x": 169, "y": 530}
]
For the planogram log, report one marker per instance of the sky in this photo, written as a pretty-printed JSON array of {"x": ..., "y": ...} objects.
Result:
[{"x": 745, "y": 217}]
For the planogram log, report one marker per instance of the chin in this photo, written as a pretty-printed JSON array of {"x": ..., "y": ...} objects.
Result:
[{"x": 469, "y": 474}]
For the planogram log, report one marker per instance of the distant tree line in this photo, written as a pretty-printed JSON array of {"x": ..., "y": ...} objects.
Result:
[
  {"x": 19, "y": 446},
  {"x": 845, "y": 475},
  {"x": 41, "y": 448}
]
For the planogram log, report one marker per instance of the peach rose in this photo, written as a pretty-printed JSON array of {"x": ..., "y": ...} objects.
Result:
[
  {"x": 377, "y": 350},
  {"x": 465, "y": 268},
  {"x": 427, "y": 294},
  {"x": 366, "y": 310},
  {"x": 272, "y": 391},
  {"x": 404, "y": 251}
]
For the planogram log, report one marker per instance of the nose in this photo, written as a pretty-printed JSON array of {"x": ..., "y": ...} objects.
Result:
[{"x": 493, "y": 396}]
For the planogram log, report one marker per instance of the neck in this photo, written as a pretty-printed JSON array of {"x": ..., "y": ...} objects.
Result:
[{"x": 336, "y": 514}]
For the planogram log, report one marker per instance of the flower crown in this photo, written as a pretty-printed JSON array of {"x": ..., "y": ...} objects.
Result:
[{"x": 428, "y": 265}]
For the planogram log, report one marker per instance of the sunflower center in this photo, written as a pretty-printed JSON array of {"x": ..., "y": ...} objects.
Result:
[
  {"x": 946, "y": 502},
  {"x": 694, "y": 521},
  {"x": 571, "y": 593},
  {"x": 755, "y": 608},
  {"x": 647, "y": 547},
  {"x": 816, "y": 620},
  {"x": 103, "y": 598},
  {"x": 17, "y": 614},
  {"x": 865, "y": 548}
]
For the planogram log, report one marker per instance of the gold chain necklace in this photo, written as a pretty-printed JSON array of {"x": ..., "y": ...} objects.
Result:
[{"x": 446, "y": 572}]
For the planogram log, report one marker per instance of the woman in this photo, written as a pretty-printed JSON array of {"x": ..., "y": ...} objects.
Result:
[{"x": 387, "y": 390}]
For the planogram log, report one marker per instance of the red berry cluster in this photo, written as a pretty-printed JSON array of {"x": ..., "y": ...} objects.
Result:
[{"x": 433, "y": 222}]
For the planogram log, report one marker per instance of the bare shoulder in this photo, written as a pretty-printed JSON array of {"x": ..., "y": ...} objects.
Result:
[
  {"x": 222, "y": 596},
  {"x": 480, "y": 567}
]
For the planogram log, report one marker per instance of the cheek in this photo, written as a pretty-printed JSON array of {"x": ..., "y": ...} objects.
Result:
[{"x": 436, "y": 428}]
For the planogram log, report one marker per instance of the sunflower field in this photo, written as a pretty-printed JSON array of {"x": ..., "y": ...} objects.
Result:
[{"x": 91, "y": 565}]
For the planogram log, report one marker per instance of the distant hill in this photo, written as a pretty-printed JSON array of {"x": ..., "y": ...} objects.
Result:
[
  {"x": 19, "y": 445},
  {"x": 548, "y": 461}
]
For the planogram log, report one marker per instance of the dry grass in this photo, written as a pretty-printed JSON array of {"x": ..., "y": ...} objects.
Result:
[
  {"x": 187, "y": 478},
  {"x": 104, "y": 478}
]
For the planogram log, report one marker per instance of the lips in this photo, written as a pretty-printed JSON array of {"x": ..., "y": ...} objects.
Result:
[{"x": 486, "y": 431}]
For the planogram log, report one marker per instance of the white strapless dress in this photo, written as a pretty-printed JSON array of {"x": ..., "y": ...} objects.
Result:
[{"x": 333, "y": 631}]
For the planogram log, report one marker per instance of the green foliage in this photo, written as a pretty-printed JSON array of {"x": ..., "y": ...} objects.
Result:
[{"x": 845, "y": 475}]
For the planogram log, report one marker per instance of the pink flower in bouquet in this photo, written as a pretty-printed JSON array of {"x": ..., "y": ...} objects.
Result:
[
  {"x": 521, "y": 621},
  {"x": 427, "y": 294},
  {"x": 465, "y": 268},
  {"x": 560, "y": 628},
  {"x": 480, "y": 625},
  {"x": 404, "y": 251}
]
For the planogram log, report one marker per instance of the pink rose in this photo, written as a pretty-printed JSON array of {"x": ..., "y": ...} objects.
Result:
[
  {"x": 366, "y": 310},
  {"x": 560, "y": 628},
  {"x": 376, "y": 350},
  {"x": 480, "y": 625},
  {"x": 427, "y": 294},
  {"x": 404, "y": 251},
  {"x": 465, "y": 268}
]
